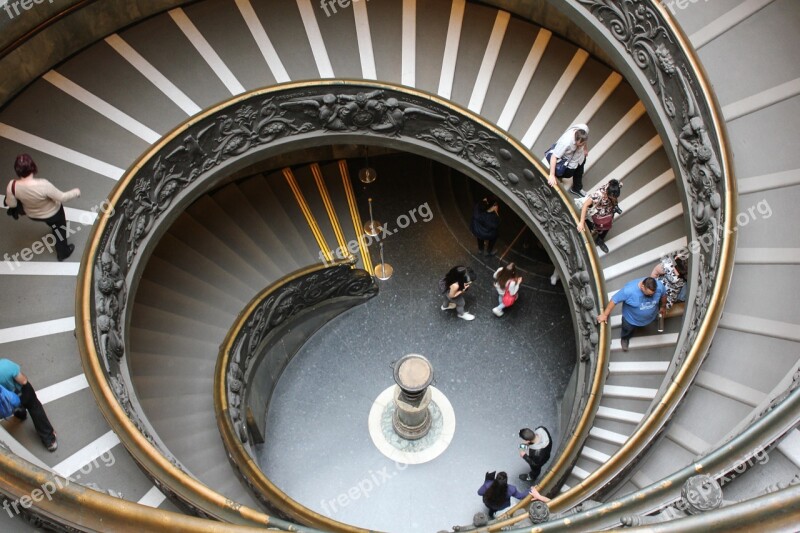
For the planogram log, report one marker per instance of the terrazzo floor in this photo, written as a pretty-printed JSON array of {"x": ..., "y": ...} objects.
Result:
[{"x": 500, "y": 374}]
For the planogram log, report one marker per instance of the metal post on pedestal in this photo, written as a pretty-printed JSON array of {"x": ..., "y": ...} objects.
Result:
[
  {"x": 372, "y": 227},
  {"x": 383, "y": 271}
]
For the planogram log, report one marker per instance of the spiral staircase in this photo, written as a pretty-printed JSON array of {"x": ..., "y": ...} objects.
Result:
[{"x": 91, "y": 116}]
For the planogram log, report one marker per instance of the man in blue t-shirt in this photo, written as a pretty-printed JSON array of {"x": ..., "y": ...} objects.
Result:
[
  {"x": 12, "y": 379},
  {"x": 642, "y": 300}
]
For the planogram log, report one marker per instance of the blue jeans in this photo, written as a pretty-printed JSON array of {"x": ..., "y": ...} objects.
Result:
[{"x": 627, "y": 329}]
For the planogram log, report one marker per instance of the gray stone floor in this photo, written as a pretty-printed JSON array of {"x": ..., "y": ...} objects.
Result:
[{"x": 499, "y": 374}]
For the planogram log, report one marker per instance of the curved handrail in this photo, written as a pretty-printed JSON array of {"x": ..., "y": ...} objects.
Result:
[
  {"x": 238, "y": 358},
  {"x": 723, "y": 459},
  {"x": 705, "y": 330},
  {"x": 712, "y": 200},
  {"x": 37, "y": 26},
  {"x": 187, "y": 162},
  {"x": 701, "y": 157},
  {"x": 59, "y": 502}
]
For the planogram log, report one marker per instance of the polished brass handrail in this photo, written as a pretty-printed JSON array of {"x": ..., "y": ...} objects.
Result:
[
  {"x": 62, "y": 501},
  {"x": 725, "y": 458},
  {"x": 649, "y": 429},
  {"x": 239, "y": 456},
  {"x": 194, "y": 493}
]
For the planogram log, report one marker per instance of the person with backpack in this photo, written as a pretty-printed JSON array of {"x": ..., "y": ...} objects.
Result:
[
  {"x": 567, "y": 158},
  {"x": 453, "y": 286},
  {"x": 12, "y": 379},
  {"x": 42, "y": 201},
  {"x": 535, "y": 450},
  {"x": 604, "y": 203},
  {"x": 507, "y": 284}
]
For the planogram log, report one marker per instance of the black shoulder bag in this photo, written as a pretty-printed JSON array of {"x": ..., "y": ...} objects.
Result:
[{"x": 19, "y": 209}]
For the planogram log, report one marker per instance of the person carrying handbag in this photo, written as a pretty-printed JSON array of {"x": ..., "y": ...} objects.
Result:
[
  {"x": 604, "y": 204},
  {"x": 42, "y": 201},
  {"x": 566, "y": 158},
  {"x": 507, "y": 283}
]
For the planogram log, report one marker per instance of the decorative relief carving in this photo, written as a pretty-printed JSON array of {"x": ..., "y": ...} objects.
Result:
[
  {"x": 639, "y": 27},
  {"x": 547, "y": 208},
  {"x": 281, "y": 305},
  {"x": 699, "y": 494},
  {"x": 188, "y": 162}
]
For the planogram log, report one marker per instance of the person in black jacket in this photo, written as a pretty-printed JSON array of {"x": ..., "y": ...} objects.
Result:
[
  {"x": 497, "y": 493},
  {"x": 485, "y": 221},
  {"x": 535, "y": 450}
]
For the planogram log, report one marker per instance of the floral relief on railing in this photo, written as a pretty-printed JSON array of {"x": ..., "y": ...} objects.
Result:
[
  {"x": 280, "y": 306},
  {"x": 261, "y": 120},
  {"x": 315, "y": 113},
  {"x": 639, "y": 26}
]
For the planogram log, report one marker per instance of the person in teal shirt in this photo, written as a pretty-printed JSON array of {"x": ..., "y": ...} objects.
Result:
[
  {"x": 642, "y": 300},
  {"x": 14, "y": 380}
]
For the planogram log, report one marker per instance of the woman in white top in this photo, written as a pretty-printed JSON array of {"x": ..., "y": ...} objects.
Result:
[
  {"x": 567, "y": 157},
  {"x": 506, "y": 279},
  {"x": 42, "y": 201}
]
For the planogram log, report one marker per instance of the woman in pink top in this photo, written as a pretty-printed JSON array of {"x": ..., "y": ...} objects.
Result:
[{"x": 42, "y": 201}]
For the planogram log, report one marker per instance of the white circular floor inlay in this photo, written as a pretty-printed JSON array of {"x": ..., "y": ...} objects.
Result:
[{"x": 443, "y": 428}]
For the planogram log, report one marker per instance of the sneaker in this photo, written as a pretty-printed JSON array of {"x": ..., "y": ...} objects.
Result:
[
  {"x": 625, "y": 343},
  {"x": 602, "y": 245},
  {"x": 467, "y": 316},
  {"x": 451, "y": 305},
  {"x": 53, "y": 446},
  {"x": 525, "y": 477},
  {"x": 498, "y": 311},
  {"x": 580, "y": 194},
  {"x": 21, "y": 414},
  {"x": 70, "y": 249},
  {"x": 491, "y": 254}
]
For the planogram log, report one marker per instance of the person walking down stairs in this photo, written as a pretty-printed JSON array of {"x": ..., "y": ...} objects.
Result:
[
  {"x": 14, "y": 380},
  {"x": 642, "y": 300},
  {"x": 567, "y": 158},
  {"x": 41, "y": 201}
]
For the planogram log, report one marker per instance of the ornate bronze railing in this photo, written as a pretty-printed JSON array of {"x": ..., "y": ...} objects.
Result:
[
  {"x": 654, "y": 55},
  {"x": 54, "y": 503},
  {"x": 300, "y": 303},
  {"x": 774, "y": 422},
  {"x": 676, "y": 92},
  {"x": 191, "y": 159}
]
